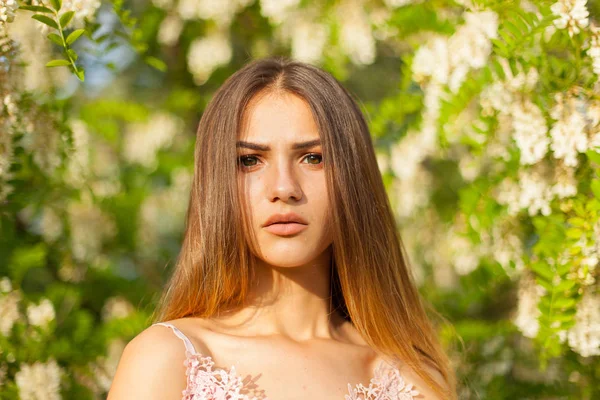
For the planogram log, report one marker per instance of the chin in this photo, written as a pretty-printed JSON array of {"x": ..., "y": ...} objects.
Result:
[{"x": 288, "y": 257}]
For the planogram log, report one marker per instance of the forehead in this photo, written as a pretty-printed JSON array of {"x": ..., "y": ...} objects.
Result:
[{"x": 280, "y": 116}]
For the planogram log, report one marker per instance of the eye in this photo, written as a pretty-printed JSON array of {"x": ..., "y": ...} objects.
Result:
[
  {"x": 318, "y": 158},
  {"x": 247, "y": 161}
]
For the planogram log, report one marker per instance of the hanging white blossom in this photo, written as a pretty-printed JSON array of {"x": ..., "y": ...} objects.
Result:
[
  {"x": 584, "y": 336},
  {"x": 308, "y": 40},
  {"x": 356, "y": 35},
  {"x": 568, "y": 132},
  {"x": 7, "y": 10},
  {"x": 41, "y": 314},
  {"x": 527, "y": 314},
  {"x": 170, "y": 30},
  {"x": 9, "y": 311},
  {"x": 143, "y": 140},
  {"x": 530, "y": 131},
  {"x": 572, "y": 15},
  {"x": 39, "y": 381},
  {"x": 277, "y": 10},
  {"x": 207, "y": 54}
]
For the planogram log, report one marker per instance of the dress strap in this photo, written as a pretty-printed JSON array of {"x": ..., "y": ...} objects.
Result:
[{"x": 188, "y": 344}]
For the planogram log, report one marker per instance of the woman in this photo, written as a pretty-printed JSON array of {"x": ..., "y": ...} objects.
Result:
[{"x": 291, "y": 282}]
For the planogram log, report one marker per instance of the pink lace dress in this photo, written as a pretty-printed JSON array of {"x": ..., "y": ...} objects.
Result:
[{"x": 207, "y": 382}]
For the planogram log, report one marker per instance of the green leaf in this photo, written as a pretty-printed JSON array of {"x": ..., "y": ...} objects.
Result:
[
  {"x": 80, "y": 74},
  {"x": 593, "y": 155},
  {"x": 512, "y": 28},
  {"x": 595, "y": 185},
  {"x": 45, "y": 20},
  {"x": 57, "y": 4},
  {"x": 56, "y": 39},
  {"x": 72, "y": 54},
  {"x": 156, "y": 63},
  {"x": 37, "y": 9},
  {"x": 563, "y": 269},
  {"x": 501, "y": 48},
  {"x": 577, "y": 221},
  {"x": 66, "y": 18},
  {"x": 574, "y": 233},
  {"x": 563, "y": 302},
  {"x": 58, "y": 63},
  {"x": 542, "y": 270},
  {"x": 73, "y": 36},
  {"x": 565, "y": 285}
]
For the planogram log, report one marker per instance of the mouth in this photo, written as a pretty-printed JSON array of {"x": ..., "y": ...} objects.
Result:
[{"x": 285, "y": 228}]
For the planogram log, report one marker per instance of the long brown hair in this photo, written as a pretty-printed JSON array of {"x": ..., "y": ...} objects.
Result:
[{"x": 372, "y": 285}]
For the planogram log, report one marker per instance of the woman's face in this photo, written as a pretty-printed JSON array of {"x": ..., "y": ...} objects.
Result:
[{"x": 281, "y": 171}]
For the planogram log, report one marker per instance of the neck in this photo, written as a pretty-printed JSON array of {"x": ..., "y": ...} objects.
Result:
[{"x": 292, "y": 302}]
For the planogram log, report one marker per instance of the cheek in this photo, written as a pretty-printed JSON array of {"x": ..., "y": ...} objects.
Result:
[{"x": 250, "y": 191}]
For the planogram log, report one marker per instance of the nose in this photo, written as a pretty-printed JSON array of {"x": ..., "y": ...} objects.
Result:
[{"x": 283, "y": 184}]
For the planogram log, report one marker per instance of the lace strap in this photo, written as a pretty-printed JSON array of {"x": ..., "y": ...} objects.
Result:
[{"x": 188, "y": 344}]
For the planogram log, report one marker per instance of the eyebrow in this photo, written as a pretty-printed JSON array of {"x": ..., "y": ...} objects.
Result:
[{"x": 262, "y": 147}]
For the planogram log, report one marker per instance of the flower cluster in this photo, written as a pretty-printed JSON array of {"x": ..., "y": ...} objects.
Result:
[
  {"x": 206, "y": 54},
  {"x": 41, "y": 314},
  {"x": 527, "y": 313},
  {"x": 584, "y": 336},
  {"x": 7, "y": 10},
  {"x": 447, "y": 61},
  {"x": 572, "y": 15},
  {"x": 40, "y": 380}
]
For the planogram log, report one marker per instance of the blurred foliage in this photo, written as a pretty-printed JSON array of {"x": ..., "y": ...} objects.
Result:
[{"x": 486, "y": 119}]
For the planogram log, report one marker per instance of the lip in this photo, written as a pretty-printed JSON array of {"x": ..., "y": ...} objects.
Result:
[
  {"x": 285, "y": 218},
  {"x": 286, "y": 229}
]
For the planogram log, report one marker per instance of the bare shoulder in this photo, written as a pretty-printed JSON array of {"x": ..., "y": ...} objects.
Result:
[
  {"x": 425, "y": 390},
  {"x": 151, "y": 367}
]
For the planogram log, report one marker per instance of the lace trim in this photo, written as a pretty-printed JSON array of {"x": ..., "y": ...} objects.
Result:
[{"x": 204, "y": 382}]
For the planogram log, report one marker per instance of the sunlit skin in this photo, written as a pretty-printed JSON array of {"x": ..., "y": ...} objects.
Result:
[{"x": 283, "y": 172}]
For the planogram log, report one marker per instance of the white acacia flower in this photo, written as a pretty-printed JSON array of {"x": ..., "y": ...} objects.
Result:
[
  {"x": 41, "y": 314},
  {"x": 206, "y": 54},
  {"x": 9, "y": 311},
  {"x": 594, "y": 50},
  {"x": 116, "y": 307},
  {"x": 533, "y": 192},
  {"x": 530, "y": 132},
  {"x": 584, "y": 336},
  {"x": 572, "y": 15},
  {"x": 144, "y": 140},
  {"x": 507, "y": 247},
  {"x": 496, "y": 97},
  {"x": 39, "y": 381},
  {"x": 465, "y": 257},
  {"x": 431, "y": 60},
  {"x": 5, "y": 285},
  {"x": 565, "y": 183},
  {"x": 398, "y": 3},
  {"x": 568, "y": 133},
  {"x": 470, "y": 47},
  {"x": 170, "y": 30},
  {"x": 162, "y": 214},
  {"x": 78, "y": 161},
  {"x": 83, "y": 9},
  {"x": 90, "y": 227},
  {"x": 527, "y": 314},
  {"x": 308, "y": 40},
  {"x": 356, "y": 35},
  {"x": 449, "y": 60},
  {"x": 277, "y": 10},
  {"x": 412, "y": 193},
  {"x": 7, "y": 10}
]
